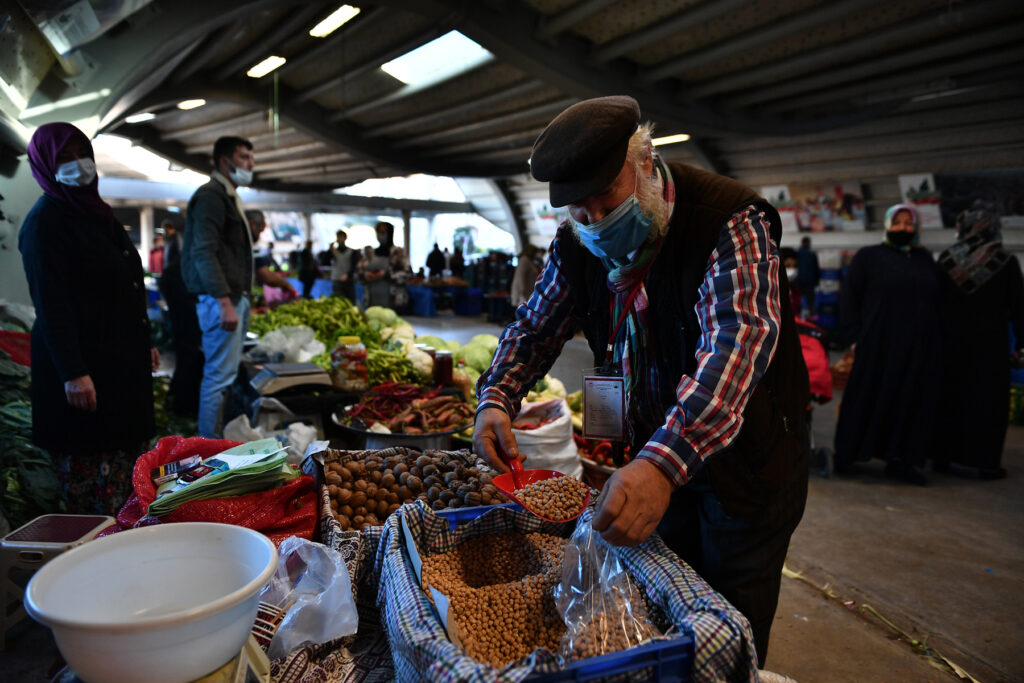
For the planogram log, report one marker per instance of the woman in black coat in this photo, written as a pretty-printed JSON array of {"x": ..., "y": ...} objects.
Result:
[
  {"x": 982, "y": 297},
  {"x": 92, "y": 393}
]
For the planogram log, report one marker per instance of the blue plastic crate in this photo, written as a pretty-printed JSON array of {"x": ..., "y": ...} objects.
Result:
[{"x": 667, "y": 661}]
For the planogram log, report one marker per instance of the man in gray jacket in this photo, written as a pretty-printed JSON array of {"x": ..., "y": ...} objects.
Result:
[{"x": 217, "y": 267}]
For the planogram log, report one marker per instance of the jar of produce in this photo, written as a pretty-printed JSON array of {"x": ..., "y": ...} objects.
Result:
[
  {"x": 348, "y": 365},
  {"x": 443, "y": 365},
  {"x": 429, "y": 350}
]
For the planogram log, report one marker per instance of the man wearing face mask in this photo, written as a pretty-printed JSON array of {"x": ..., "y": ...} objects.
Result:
[
  {"x": 673, "y": 275},
  {"x": 217, "y": 266}
]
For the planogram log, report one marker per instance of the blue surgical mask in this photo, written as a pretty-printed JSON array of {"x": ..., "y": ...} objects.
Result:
[
  {"x": 617, "y": 234},
  {"x": 240, "y": 176},
  {"x": 77, "y": 173}
]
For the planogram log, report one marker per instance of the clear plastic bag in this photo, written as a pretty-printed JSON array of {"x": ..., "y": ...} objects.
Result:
[
  {"x": 313, "y": 587},
  {"x": 292, "y": 344},
  {"x": 602, "y": 609}
]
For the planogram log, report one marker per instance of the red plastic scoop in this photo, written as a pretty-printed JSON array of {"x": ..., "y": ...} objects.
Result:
[{"x": 511, "y": 482}]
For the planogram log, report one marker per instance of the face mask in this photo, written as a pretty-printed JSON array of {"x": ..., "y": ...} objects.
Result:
[
  {"x": 78, "y": 173},
  {"x": 618, "y": 233},
  {"x": 240, "y": 176},
  {"x": 900, "y": 239},
  {"x": 791, "y": 274}
]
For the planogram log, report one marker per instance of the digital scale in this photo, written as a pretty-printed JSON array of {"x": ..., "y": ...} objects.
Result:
[{"x": 275, "y": 377}]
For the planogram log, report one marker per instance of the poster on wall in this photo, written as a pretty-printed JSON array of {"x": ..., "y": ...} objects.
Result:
[
  {"x": 919, "y": 191},
  {"x": 546, "y": 219},
  {"x": 779, "y": 197},
  {"x": 827, "y": 208}
]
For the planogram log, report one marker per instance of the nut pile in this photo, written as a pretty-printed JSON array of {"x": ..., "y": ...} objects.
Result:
[
  {"x": 559, "y": 498},
  {"x": 364, "y": 492},
  {"x": 500, "y": 591}
]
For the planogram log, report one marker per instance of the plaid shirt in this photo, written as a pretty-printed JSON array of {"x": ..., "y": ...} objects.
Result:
[{"x": 739, "y": 314}]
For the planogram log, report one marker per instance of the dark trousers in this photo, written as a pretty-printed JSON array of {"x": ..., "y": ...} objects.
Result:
[
  {"x": 741, "y": 558},
  {"x": 188, "y": 350}
]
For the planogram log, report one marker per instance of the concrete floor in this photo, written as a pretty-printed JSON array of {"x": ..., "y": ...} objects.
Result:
[{"x": 944, "y": 563}]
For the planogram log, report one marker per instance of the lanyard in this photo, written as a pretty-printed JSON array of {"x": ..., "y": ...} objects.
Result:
[{"x": 622, "y": 318}]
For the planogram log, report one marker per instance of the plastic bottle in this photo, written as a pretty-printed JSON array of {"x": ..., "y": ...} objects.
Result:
[{"x": 348, "y": 365}]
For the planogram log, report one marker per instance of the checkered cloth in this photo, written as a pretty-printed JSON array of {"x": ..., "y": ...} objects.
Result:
[{"x": 723, "y": 644}]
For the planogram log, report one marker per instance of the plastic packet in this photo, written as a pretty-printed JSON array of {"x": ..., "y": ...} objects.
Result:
[
  {"x": 602, "y": 609},
  {"x": 313, "y": 587}
]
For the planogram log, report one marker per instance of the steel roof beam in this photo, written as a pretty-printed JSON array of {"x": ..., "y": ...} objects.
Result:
[
  {"x": 764, "y": 35},
  {"x": 547, "y": 108},
  {"x": 302, "y": 162},
  {"x": 663, "y": 29},
  {"x": 298, "y": 21},
  {"x": 497, "y": 97},
  {"x": 234, "y": 121},
  {"x": 551, "y": 26},
  {"x": 370, "y": 63},
  {"x": 902, "y": 60},
  {"x": 325, "y": 47},
  {"x": 304, "y": 148},
  {"x": 311, "y": 120},
  {"x": 857, "y": 48}
]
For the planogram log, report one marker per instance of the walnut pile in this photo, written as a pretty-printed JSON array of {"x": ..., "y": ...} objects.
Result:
[
  {"x": 500, "y": 591},
  {"x": 558, "y": 498},
  {"x": 364, "y": 492}
]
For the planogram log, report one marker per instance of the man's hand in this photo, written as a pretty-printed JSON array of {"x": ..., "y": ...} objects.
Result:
[
  {"x": 493, "y": 439},
  {"x": 632, "y": 503},
  {"x": 228, "y": 315},
  {"x": 154, "y": 358},
  {"x": 81, "y": 393}
]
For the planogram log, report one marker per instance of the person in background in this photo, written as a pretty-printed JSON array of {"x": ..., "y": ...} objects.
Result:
[
  {"x": 183, "y": 396},
  {"x": 435, "y": 261},
  {"x": 673, "y": 275},
  {"x": 808, "y": 274},
  {"x": 385, "y": 271},
  {"x": 525, "y": 276},
  {"x": 217, "y": 266},
  {"x": 458, "y": 264},
  {"x": 889, "y": 309},
  {"x": 92, "y": 387},
  {"x": 343, "y": 267},
  {"x": 789, "y": 262},
  {"x": 982, "y": 297},
  {"x": 309, "y": 270},
  {"x": 267, "y": 273},
  {"x": 156, "y": 255}
]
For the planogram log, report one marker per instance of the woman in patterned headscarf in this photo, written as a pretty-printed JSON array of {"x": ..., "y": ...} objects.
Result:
[
  {"x": 982, "y": 294},
  {"x": 889, "y": 309},
  {"x": 92, "y": 392}
]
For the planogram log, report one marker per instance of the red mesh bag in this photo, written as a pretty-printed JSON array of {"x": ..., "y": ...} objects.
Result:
[{"x": 290, "y": 510}]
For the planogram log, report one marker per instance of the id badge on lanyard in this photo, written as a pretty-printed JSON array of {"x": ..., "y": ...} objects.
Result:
[{"x": 604, "y": 405}]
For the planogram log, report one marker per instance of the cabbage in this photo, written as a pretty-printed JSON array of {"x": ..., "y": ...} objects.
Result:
[
  {"x": 379, "y": 317},
  {"x": 488, "y": 341},
  {"x": 431, "y": 340},
  {"x": 476, "y": 357}
]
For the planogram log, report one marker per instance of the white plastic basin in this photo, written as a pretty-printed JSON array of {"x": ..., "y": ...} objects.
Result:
[{"x": 165, "y": 603}]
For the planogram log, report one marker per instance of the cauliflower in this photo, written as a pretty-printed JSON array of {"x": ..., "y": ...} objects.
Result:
[
  {"x": 422, "y": 363},
  {"x": 545, "y": 388}
]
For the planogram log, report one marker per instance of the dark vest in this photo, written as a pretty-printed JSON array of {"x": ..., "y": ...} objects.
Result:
[{"x": 770, "y": 451}]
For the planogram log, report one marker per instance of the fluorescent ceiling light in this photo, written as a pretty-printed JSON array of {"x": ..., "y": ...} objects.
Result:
[
  {"x": 441, "y": 58},
  {"x": 191, "y": 104},
  {"x": 265, "y": 67},
  {"x": 670, "y": 139},
  {"x": 139, "y": 118},
  {"x": 335, "y": 21}
]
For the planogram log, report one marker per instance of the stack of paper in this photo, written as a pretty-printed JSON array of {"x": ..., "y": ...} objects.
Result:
[{"x": 254, "y": 466}]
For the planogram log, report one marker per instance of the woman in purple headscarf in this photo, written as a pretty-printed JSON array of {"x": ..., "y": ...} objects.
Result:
[
  {"x": 982, "y": 297},
  {"x": 889, "y": 307},
  {"x": 92, "y": 396}
]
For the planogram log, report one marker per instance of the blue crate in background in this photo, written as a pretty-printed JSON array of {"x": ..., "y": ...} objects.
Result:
[
  {"x": 831, "y": 274},
  {"x": 667, "y": 661},
  {"x": 468, "y": 301},
  {"x": 421, "y": 301}
]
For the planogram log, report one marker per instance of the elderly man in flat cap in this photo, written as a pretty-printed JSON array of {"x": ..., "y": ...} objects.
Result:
[{"x": 673, "y": 275}]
